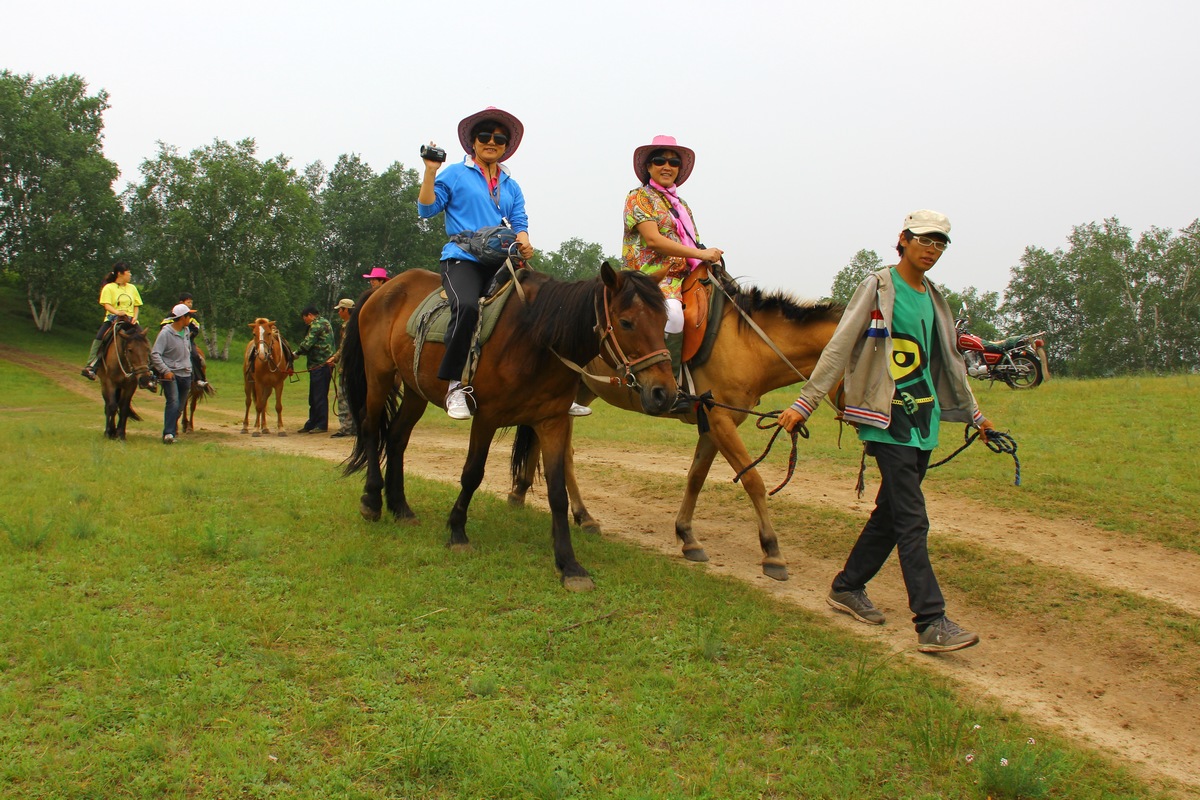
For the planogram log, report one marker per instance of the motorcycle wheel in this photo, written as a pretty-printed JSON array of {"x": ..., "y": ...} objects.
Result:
[{"x": 1028, "y": 373}]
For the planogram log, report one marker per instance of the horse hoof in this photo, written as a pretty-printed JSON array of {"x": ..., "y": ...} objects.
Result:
[
  {"x": 516, "y": 500},
  {"x": 695, "y": 553},
  {"x": 282, "y": 433},
  {"x": 245, "y": 430},
  {"x": 459, "y": 547},
  {"x": 369, "y": 514},
  {"x": 256, "y": 434},
  {"x": 590, "y": 526},
  {"x": 776, "y": 570},
  {"x": 579, "y": 583}
]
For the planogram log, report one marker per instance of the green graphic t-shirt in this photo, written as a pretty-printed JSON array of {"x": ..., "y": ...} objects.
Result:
[{"x": 915, "y": 409}]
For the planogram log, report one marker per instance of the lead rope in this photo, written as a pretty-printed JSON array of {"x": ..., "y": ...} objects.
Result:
[
  {"x": 996, "y": 441},
  {"x": 706, "y": 401}
]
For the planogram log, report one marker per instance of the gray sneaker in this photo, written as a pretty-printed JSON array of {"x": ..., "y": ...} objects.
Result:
[
  {"x": 857, "y": 605},
  {"x": 944, "y": 635}
]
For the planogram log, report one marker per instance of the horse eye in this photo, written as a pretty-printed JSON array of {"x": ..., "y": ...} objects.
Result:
[{"x": 626, "y": 325}]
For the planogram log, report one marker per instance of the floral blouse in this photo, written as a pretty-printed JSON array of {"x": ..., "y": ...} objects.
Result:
[{"x": 647, "y": 205}]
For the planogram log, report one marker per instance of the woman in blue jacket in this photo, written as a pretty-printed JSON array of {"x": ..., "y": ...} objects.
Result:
[{"x": 477, "y": 192}]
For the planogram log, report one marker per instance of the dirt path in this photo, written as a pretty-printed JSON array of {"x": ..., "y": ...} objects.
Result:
[{"x": 1094, "y": 685}]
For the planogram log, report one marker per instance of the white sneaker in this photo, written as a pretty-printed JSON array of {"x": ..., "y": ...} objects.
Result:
[
  {"x": 457, "y": 406},
  {"x": 168, "y": 439},
  {"x": 578, "y": 410}
]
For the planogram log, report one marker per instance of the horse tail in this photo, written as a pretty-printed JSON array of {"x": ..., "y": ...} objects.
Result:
[
  {"x": 354, "y": 384},
  {"x": 523, "y": 443}
]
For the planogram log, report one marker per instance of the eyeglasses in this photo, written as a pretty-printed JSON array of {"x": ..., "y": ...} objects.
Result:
[
  {"x": 658, "y": 161},
  {"x": 936, "y": 244},
  {"x": 488, "y": 138}
]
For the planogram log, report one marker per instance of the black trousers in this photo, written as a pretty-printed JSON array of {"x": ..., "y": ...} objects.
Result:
[
  {"x": 318, "y": 398},
  {"x": 465, "y": 282},
  {"x": 899, "y": 522}
]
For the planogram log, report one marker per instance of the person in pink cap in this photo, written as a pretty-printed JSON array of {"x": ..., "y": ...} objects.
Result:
[
  {"x": 660, "y": 232},
  {"x": 376, "y": 277}
]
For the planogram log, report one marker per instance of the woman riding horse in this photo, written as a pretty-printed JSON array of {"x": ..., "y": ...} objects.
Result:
[{"x": 120, "y": 299}]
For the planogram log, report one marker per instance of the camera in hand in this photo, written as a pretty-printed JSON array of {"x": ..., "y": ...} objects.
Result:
[{"x": 433, "y": 153}]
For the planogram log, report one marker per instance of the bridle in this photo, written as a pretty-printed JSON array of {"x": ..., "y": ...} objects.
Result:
[
  {"x": 123, "y": 359},
  {"x": 612, "y": 353},
  {"x": 265, "y": 348}
]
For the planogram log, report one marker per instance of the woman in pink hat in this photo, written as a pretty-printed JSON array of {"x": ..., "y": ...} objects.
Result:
[
  {"x": 477, "y": 192},
  {"x": 376, "y": 277},
  {"x": 660, "y": 233}
]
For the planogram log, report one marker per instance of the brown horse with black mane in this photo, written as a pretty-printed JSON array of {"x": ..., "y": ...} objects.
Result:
[
  {"x": 123, "y": 367},
  {"x": 741, "y": 368},
  {"x": 265, "y": 367},
  {"x": 523, "y": 379}
]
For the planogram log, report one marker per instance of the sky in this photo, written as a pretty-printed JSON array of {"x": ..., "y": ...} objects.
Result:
[{"x": 816, "y": 126}]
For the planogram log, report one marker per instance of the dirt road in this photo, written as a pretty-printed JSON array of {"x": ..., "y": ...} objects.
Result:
[{"x": 1123, "y": 694}]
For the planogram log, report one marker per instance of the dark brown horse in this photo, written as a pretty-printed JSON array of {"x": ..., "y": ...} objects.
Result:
[
  {"x": 740, "y": 370},
  {"x": 187, "y": 409},
  {"x": 521, "y": 380},
  {"x": 124, "y": 366},
  {"x": 265, "y": 367}
]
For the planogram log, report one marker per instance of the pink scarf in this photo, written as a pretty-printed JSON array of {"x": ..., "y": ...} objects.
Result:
[{"x": 683, "y": 220}]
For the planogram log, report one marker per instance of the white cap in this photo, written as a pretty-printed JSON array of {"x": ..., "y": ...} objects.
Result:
[
  {"x": 181, "y": 310},
  {"x": 926, "y": 221}
]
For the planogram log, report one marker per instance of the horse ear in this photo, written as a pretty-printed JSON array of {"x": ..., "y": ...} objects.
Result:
[{"x": 609, "y": 276}]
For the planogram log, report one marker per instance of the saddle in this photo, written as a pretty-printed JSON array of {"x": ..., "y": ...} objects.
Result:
[
  {"x": 702, "y": 301},
  {"x": 431, "y": 319}
]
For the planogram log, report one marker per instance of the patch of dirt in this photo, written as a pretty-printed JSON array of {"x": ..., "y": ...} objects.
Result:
[{"x": 1091, "y": 682}]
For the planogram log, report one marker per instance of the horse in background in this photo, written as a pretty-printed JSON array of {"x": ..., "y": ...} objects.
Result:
[
  {"x": 741, "y": 368},
  {"x": 266, "y": 365},
  {"x": 187, "y": 410},
  {"x": 523, "y": 378},
  {"x": 124, "y": 366}
]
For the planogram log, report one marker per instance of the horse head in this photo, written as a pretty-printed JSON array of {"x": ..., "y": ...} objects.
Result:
[
  {"x": 631, "y": 336},
  {"x": 133, "y": 354}
]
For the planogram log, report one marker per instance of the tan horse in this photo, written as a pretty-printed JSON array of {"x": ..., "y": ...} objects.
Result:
[
  {"x": 265, "y": 367},
  {"x": 521, "y": 380},
  {"x": 123, "y": 367},
  {"x": 740, "y": 370}
]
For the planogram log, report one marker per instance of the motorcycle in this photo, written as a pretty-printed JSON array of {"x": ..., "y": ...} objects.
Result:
[{"x": 1019, "y": 361}]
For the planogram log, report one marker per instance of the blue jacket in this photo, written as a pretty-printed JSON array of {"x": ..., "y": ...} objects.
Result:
[{"x": 461, "y": 191}]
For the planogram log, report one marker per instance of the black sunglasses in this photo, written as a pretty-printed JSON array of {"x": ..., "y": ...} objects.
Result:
[
  {"x": 487, "y": 138},
  {"x": 658, "y": 161}
]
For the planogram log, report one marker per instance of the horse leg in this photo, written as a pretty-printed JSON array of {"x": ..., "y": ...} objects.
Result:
[
  {"x": 111, "y": 408},
  {"x": 412, "y": 407},
  {"x": 724, "y": 435},
  {"x": 579, "y": 511},
  {"x": 124, "y": 398},
  {"x": 524, "y": 481},
  {"x": 249, "y": 387},
  {"x": 278, "y": 410},
  {"x": 374, "y": 418},
  {"x": 472, "y": 476},
  {"x": 702, "y": 460},
  {"x": 555, "y": 436}
]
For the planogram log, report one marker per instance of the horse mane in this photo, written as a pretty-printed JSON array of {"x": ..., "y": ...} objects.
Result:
[
  {"x": 753, "y": 300},
  {"x": 554, "y": 314}
]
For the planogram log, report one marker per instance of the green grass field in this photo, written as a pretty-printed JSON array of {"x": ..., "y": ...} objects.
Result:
[{"x": 203, "y": 621}]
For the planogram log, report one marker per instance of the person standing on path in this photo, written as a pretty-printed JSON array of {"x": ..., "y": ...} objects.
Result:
[
  {"x": 345, "y": 420},
  {"x": 895, "y": 350},
  {"x": 318, "y": 346}
]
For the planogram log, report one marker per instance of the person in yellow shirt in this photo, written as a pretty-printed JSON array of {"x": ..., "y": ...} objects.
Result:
[{"x": 121, "y": 302}]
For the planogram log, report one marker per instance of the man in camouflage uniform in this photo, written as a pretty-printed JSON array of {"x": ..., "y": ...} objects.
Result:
[
  {"x": 345, "y": 421},
  {"x": 318, "y": 346}
]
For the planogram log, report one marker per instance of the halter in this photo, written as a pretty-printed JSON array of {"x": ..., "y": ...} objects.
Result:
[
  {"x": 614, "y": 356},
  {"x": 128, "y": 372},
  {"x": 264, "y": 349}
]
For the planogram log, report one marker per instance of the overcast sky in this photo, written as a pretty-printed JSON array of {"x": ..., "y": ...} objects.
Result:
[{"x": 816, "y": 126}]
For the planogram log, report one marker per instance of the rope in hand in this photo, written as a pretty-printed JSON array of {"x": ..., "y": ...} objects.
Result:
[
  {"x": 996, "y": 441},
  {"x": 765, "y": 421}
]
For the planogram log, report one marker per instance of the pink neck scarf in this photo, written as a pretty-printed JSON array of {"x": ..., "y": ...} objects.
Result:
[{"x": 683, "y": 220}]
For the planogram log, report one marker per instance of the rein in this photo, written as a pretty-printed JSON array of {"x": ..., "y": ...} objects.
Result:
[
  {"x": 996, "y": 441},
  {"x": 121, "y": 362},
  {"x": 706, "y": 401}
]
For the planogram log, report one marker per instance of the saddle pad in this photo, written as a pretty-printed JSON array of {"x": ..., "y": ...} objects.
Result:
[
  {"x": 696, "y": 291},
  {"x": 432, "y": 317}
]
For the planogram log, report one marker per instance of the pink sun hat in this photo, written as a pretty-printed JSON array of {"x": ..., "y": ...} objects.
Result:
[
  {"x": 377, "y": 272},
  {"x": 506, "y": 120},
  {"x": 660, "y": 142}
]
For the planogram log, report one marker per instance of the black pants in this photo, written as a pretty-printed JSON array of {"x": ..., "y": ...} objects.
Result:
[
  {"x": 318, "y": 398},
  {"x": 899, "y": 522},
  {"x": 465, "y": 282}
]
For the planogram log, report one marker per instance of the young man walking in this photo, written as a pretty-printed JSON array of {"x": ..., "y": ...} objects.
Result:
[{"x": 895, "y": 349}]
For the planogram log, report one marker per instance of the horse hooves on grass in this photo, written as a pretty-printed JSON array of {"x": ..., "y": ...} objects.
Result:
[
  {"x": 579, "y": 583},
  {"x": 695, "y": 553},
  {"x": 776, "y": 570},
  {"x": 369, "y": 514},
  {"x": 590, "y": 526},
  {"x": 516, "y": 500}
]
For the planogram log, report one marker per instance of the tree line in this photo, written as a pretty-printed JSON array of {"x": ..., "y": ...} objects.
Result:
[{"x": 252, "y": 237}]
